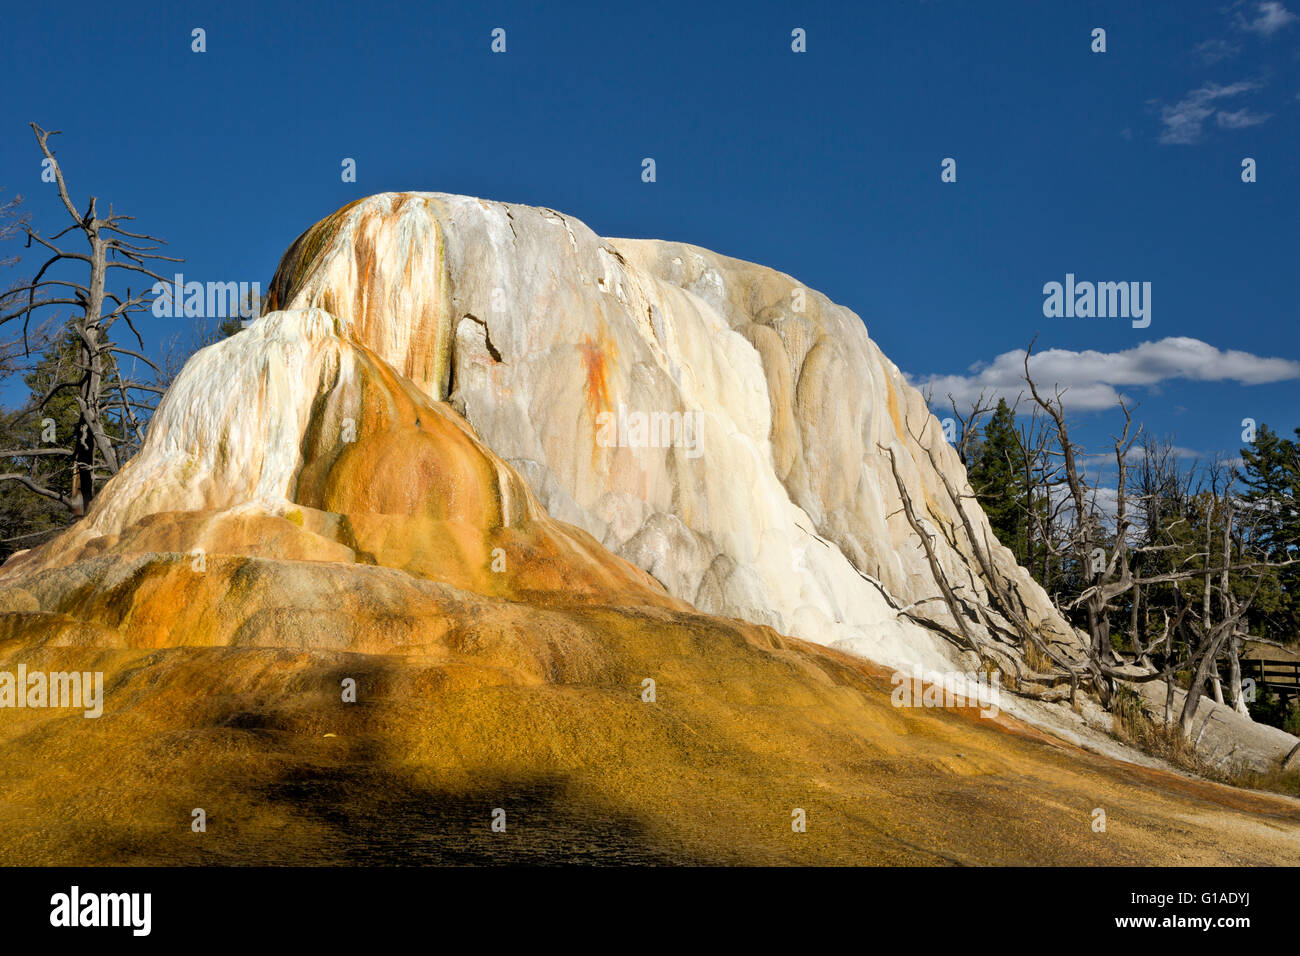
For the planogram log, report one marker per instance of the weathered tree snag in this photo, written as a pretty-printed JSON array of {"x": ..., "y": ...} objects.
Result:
[
  {"x": 949, "y": 598},
  {"x": 106, "y": 401}
]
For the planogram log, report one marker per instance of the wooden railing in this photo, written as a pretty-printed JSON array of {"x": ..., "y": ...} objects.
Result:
[{"x": 1280, "y": 677}]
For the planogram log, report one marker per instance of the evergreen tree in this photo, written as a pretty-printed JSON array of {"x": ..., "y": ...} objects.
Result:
[
  {"x": 997, "y": 473},
  {"x": 47, "y": 419},
  {"x": 1270, "y": 475}
]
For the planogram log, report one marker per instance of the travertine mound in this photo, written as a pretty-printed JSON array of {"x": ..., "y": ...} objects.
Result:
[
  {"x": 290, "y": 441},
  {"x": 312, "y": 507},
  {"x": 781, "y": 508}
]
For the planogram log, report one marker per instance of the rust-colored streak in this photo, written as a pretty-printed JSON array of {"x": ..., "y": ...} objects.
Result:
[
  {"x": 296, "y": 264},
  {"x": 595, "y": 365}
]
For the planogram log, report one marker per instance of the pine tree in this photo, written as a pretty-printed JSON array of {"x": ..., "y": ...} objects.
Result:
[
  {"x": 997, "y": 473},
  {"x": 1270, "y": 475},
  {"x": 48, "y": 418}
]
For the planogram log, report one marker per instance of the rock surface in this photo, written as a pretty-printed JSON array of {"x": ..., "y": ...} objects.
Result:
[
  {"x": 779, "y": 507},
  {"x": 390, "y": 479},
  {"x": 290, "y": 441}
]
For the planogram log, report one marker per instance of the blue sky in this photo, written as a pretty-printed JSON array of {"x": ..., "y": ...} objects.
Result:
[{"x": 1115, "y": 166}]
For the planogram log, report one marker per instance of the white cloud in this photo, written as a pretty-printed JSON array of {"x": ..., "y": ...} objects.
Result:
[
  {"x": 1094, "y": 379},
  {"x": 1184, "y": 121},
  {"x": 1240, "y": 119},
  {"x": 1137, "y": 453},
  {"x": 1270, "y": 16},
  {"x": 1212, "y": 51}
]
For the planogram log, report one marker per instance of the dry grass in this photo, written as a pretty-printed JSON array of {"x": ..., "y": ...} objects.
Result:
[
  {"x": 1036, "y": 660},
  {"x": 1135, "y": 725},
  {"x": 1277, "y": 781}
]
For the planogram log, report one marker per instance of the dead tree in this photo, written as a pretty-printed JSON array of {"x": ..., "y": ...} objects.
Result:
[
  {"x": 1005, "y": 623},
  {"x": 111, "y": 407},
  {"x": 970, "y": 424},
  {"x": 1235, "y": 640},
  {"x": 1083, "y": 536},
  {"x": 1111, "y": 574},
  {"x": 1211, "y": 643},
  {"x": 968, "y": 640},
  {"x": 1041, "y": 477},
  {"x": 12, "y": 223}
]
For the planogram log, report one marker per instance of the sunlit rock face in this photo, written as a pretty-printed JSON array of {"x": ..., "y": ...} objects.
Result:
[
  {"x": 495, "y": 398},
  {"x": 422, "y": 476},
  {"x": 445, "y": 384},
  {"x": 710, "y": 420},
  {"x": 291, "y": 442}
]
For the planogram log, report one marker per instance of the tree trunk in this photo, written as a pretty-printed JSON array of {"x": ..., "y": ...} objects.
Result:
[
  {"x": 1229, "y": 605},
  {"x": 1234, "y": 678},
  {"x": 1209, "y": 654}
]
